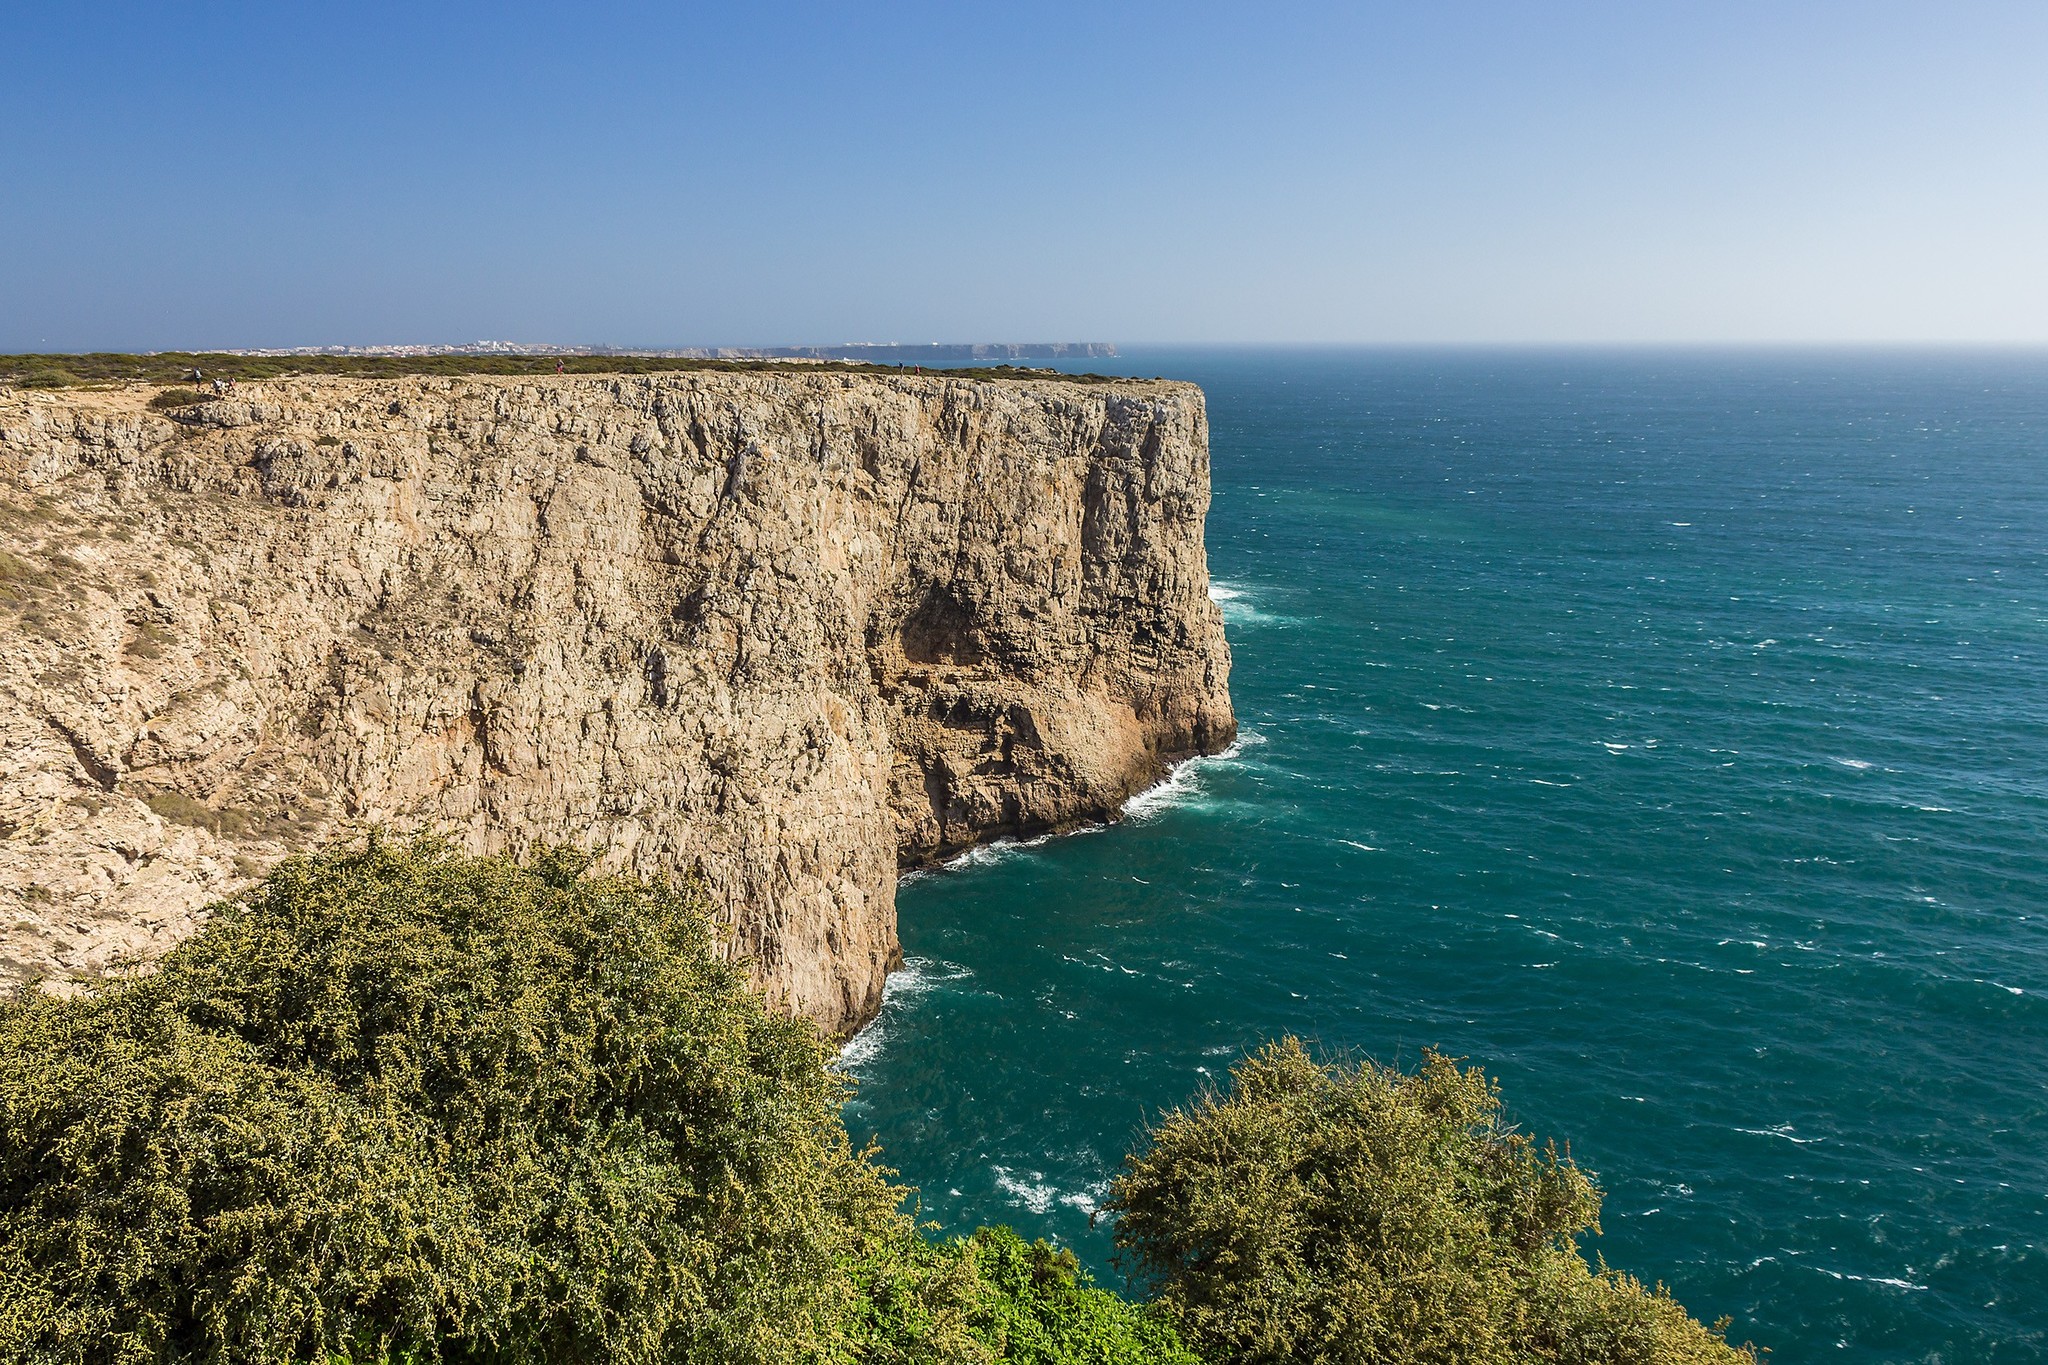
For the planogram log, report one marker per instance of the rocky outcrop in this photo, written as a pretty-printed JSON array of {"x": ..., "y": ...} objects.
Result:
[{"x": 784, "y": 631}]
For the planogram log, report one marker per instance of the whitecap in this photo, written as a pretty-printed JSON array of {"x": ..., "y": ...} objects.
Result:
[
  {"x": 1869, "y": 1279},
  {"x": 1783, "y": 1130},
  {"x": 1035, "y": 1193},
  {"x": 1088, "y": 1200},
  {"x": 1032, "y": 1193},
  {"x": 1362, "y": 848},
  {"x": 1858, "y": 764}
]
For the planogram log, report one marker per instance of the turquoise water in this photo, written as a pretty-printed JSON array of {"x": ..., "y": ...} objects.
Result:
[{"x": 1667, "y": 734}]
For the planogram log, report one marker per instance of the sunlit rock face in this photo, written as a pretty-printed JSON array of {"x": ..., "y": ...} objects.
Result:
[{"x": 785, "y": 632}]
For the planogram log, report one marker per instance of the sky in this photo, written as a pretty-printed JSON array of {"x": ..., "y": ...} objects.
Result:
[{"x": 202, "y": 175}]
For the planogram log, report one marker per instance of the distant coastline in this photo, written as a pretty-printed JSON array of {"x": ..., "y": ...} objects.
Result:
[{"x": 871, "y": 352}]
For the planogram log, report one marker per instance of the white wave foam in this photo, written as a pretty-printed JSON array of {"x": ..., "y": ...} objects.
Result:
[
  {"x": 989, "y": 854},
  {"x": 917, "y": 976},
  {"x": 1002, "y": 850},
  {"x": 1858, "y": 764},
  {"x": 1783, "y": 1130},
  {"x": 862, "y": 1048},
  {"x": 1238, "y": 606},
  {"x": 1184, "y": 783},
  {"x": 1180, "y": 786},
  {"x": 1868, "y": 1279},
  {"x": 1033, "y": 1192}
]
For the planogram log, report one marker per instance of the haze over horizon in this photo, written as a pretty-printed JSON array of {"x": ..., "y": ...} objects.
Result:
[{"x": 234, "y": 176}]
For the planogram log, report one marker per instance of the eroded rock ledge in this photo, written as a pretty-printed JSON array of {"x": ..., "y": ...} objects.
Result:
[{"x": 785, "y": 631}]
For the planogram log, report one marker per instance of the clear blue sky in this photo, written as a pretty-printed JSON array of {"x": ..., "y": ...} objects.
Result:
[{"x": 214, "y": 175}]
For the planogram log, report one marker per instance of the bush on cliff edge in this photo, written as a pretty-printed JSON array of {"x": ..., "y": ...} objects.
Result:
[
  {"x": 1356, "y": 1215},
  {"x": 398, "y": 1101},
  {"x": 402, "y": 1105}
]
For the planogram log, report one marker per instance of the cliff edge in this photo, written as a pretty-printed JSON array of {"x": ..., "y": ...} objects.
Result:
[{"x": 788, "y": 632}]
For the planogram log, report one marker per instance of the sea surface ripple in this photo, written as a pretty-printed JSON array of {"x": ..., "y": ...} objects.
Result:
[{"x": 1666, "y": 733}]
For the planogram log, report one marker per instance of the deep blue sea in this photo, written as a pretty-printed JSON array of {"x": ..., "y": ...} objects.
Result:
[{"x": 1664, "y": 732}]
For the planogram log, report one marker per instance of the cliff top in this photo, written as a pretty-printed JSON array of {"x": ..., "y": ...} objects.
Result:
[
  {"x": 785, "y": 631},
  {"x": 59, "y": 371}
]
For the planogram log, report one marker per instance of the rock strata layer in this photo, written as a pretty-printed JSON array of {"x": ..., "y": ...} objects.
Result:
[{"x": 785, "y": 632}]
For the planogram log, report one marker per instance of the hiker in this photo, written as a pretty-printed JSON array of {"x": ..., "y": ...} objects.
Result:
[
  {"x": 195, "y": 376},
  {"x": 558, "y": 367}
]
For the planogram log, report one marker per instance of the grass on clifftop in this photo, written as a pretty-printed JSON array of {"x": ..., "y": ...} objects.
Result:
[
  {"x": 171, "y": 367},
  {"x": 402, "y": 1106}
]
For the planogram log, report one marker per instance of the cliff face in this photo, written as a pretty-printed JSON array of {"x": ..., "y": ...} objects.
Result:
[{"x": 784, "y": 631}]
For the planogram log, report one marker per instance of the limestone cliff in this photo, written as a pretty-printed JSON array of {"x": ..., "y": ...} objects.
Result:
[{"x": 785, "y": 631}]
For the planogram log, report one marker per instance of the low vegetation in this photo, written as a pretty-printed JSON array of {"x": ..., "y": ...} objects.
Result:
[
  {"x": 175, "y": 399},
  {"x": 174, "y": 368},
  {"x": 1351, "y": 1213},
  {"x": 401, "y": 1105}
]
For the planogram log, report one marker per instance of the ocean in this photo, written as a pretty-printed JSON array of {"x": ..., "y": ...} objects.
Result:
[{"x": 1664, "y": 732}]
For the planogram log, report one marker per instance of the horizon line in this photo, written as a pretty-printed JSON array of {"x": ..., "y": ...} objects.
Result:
[{"x": 628, "y": 350}]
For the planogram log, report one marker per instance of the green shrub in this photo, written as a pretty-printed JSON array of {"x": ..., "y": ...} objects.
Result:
[
  {"x": 397, "y": 1101},
  {"x": 170, "y": 400},
  {"x": 1347, "y": 1214},
  {"x": 398, "y": 1105},
  {"x": 1040, "y": 1308},
  {"x": 996, "y": 1297}
]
